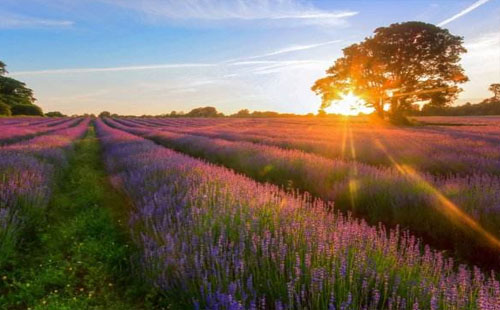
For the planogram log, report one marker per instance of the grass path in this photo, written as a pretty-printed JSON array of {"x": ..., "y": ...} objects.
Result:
[{"x": 81, "y": 259}]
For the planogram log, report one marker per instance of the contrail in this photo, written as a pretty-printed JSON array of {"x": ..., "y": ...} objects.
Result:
[
  {"x": 294, "y": 48},
  {"x": 236, "y": 61},
  {"x": 290, "y": 49},
  {"x": 474, "y": 6}
]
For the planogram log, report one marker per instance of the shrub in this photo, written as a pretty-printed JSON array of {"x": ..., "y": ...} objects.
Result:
[
  {"x": 26, "y": 109},
  {"x": 54, "y": 114}
]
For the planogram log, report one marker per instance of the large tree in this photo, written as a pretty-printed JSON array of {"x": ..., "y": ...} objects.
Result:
[{"x": 398, "y": 66}]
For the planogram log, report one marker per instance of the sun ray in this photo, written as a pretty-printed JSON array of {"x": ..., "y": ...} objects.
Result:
[{"x": 444, "y": 205}]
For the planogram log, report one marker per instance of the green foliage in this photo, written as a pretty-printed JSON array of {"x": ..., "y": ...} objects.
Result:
[
  {"x": 54, "y": 114},
  {"x": 26, "y": 109},
  {"x": 487, "y": 107},
  {"x": 82, "y": 259},
  {"x": 105, "y": 114},
  {"x": 242, "y": 113},
  {"x": 4, "y": 109},
  {"x": 14, "y": 92},
  {"x": 398, "y": 66},
  {"x": 204, "y": 112}
]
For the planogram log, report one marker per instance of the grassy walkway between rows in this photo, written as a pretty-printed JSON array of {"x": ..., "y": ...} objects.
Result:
[{"x": 82, "y": 257}]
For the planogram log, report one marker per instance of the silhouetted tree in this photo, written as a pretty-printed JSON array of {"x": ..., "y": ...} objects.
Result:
[
  {"x": 105, "y": 114},
  {"x": 242, "y": 113},
  {"x": 495, "y": 88},
  {"x": 3, "y": 70},
  {"x": 398, "y": 66},
  {"x": 54, "y": 114},
  {"x": 204, "y": 112}
]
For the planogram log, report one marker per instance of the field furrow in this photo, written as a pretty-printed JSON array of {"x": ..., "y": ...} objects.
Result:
[
  {"x": 455, "y": 213},
  {"x": 214, "y": 239}
]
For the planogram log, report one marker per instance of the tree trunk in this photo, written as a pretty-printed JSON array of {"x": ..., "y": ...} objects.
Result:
[
  {"x": 396, "y": 115},
  {"x": 379, "y": 108}
]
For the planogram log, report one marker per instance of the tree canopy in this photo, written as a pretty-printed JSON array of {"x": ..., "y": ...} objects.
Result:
[
  {"x": 400, "y": 65},
  {"x": 54, "y": 114},
  {"x": 204, "y": 112},
  {"x": 104, "y": 114},
  {"x": 14, "y": 92}
]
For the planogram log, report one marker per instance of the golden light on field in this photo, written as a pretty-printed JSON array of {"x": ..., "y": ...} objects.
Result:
[{"x": 349, "y": 105}]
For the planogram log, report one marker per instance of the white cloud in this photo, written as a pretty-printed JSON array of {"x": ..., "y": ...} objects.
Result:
[
  {"x": 220, "y": 10},
  {"x": 481, "y": 64},
  {"x": 112, "y": 69},
  {"x": 484, "y": 42},
  {"x": 286, "y": 65},
  {"x": 8, "y": 20},
  {"x": 465, "y": 11},
  {"x": 247, "y": 61}
]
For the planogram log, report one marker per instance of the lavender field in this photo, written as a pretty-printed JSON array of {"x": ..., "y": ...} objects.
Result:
[
  {"x": 247, "y": 213},
  {"x": 249, "y": 155}
]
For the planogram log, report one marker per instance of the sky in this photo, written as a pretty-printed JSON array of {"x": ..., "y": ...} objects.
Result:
[{"x": 154, "y": 56}]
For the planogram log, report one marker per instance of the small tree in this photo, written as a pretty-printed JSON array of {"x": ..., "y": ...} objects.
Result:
[
  {"x": 400, "y": 65},
  {"x": 105, "y": 114},
  {"x": 495, "y": 88},
  {"x": 26, "y": 109},
  {"x": 242, "y": 113},
  {"x": 3, "y": 71},
  {"x": 204, "y": 112},
  {"x": 54, "y": 114}
]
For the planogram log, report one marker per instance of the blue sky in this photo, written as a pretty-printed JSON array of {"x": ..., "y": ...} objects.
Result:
[{"x": 155, "y": 56}]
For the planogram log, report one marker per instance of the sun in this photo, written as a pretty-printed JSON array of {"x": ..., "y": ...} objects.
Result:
[{"x": 349, "y": 105}]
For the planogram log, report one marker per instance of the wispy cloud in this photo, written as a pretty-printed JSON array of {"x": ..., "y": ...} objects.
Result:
[
  {"x": 290, "y": 49},
  {"x": 465, "y": 11},
  {"x": 8, "y": 20},
  {"x": 287, "y": 65},
  {"x": 485, "y": 41},
  {"x": 261, "y": 67},
  {"x": 245, "y": 61},
  {"x": 219, "y": 10},
  {"x": 113, "y": 69}
]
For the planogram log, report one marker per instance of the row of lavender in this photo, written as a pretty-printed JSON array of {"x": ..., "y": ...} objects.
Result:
[
  {"x": 435, "y": 150},
  {"x": 27, "y": 172},
  {"x": 212, "y": 239},
  {"x": 19, "y": 129},
  {"x": 456, "y": 213}
]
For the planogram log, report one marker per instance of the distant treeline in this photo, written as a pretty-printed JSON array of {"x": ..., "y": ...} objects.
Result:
[
  {"x": 212, "y": 112},
  {"x": 487, "y": 107}
]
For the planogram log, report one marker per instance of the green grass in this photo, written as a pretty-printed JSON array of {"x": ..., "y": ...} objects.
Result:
[{"x": 81, "y": 257}]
